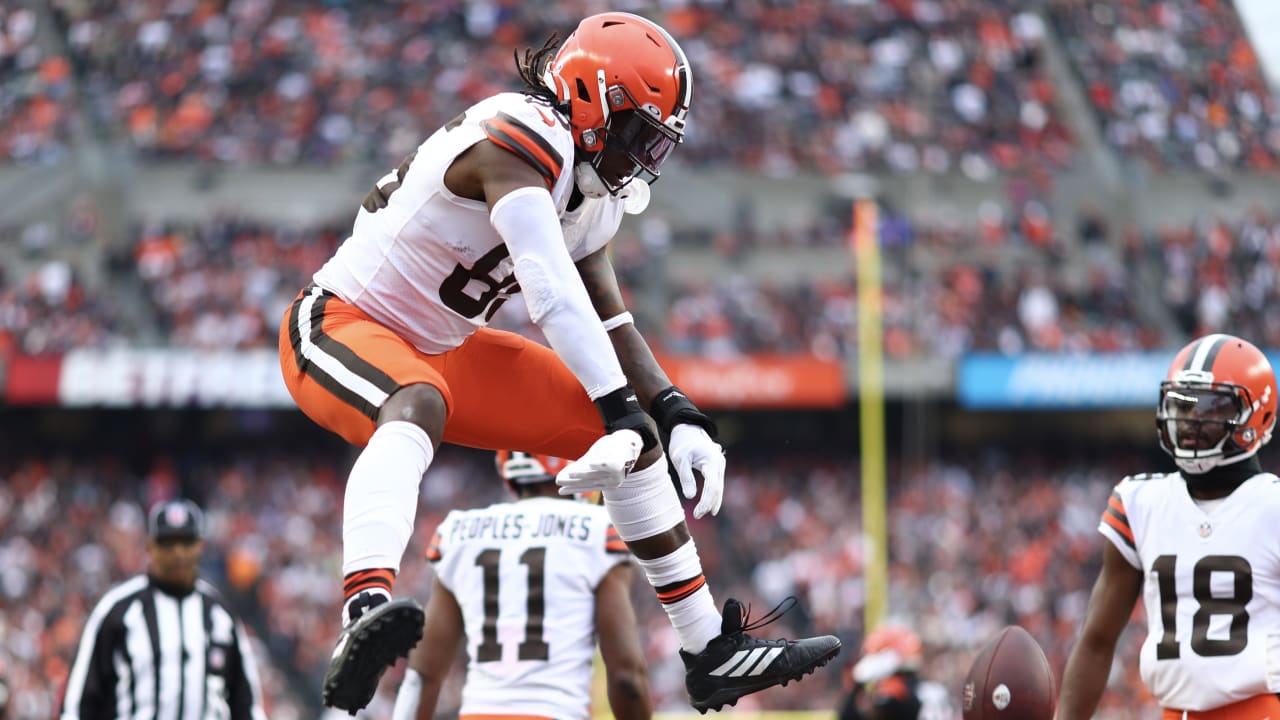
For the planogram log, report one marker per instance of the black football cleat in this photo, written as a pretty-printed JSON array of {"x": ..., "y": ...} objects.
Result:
[
  {"x": 735, "y": 664},
  {"x": 369, "y": 645}
]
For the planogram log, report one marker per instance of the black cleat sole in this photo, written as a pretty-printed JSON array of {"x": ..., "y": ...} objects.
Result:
[
  {"x": 388, "y": 633},
  {"x": 720, "y": 698}
]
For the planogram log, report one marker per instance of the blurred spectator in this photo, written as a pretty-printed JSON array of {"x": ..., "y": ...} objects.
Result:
[{"x": 5, "y": 694}]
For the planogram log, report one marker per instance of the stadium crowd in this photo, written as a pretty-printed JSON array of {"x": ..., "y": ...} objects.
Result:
[
  {"x": 35, "y": 92},
  {"x": 1175, "y": 83},
  {"x": 1223, "y": 274},
  {"x": 225, "y": 284},
  {"x": 49, "y": 311},
  {"x": 888, "y": 86},
  {"x": 1029, "y": 553},
  {"x": 947, "y": 291}
]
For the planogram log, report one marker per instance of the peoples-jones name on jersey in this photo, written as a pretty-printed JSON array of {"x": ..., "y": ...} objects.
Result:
[{"x": 514, "y": 526}]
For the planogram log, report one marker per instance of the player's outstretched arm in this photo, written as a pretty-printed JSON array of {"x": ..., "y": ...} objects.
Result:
[
  {"x": 692, "y": 445},
  {"x": 638, "y": 362},
  {"x": 628, "y": 678},
  {"x": 431, "y": 659},
  {"x": 524, "y": 214},
  {"x": 1110, "y": 606}
]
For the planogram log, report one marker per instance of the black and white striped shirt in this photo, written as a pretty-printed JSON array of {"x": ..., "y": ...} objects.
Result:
[{"x": 148, "y": 654}]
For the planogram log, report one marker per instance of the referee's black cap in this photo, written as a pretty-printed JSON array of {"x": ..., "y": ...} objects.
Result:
[{"x": 176, "y": 520}]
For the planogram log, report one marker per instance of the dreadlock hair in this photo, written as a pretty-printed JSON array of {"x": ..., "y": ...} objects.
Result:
[{"x": 533, "y": 64}]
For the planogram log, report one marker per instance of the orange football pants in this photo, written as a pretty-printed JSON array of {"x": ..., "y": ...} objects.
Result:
[
  {"x": 1257, "y": 707},
  {"x": 502, "y": 392}
]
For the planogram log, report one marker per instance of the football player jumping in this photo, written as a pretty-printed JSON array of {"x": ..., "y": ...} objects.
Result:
[
  {"x": 1201, "y": 546},
  {"x": 388, "y": 347}
]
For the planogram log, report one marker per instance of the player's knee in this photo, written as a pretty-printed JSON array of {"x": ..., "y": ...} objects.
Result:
[{"x": 421, "y": 404}]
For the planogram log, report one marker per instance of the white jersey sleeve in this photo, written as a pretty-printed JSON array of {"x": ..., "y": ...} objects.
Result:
[
  {"x": 1211, "y": 588},
  {"x": 428, "y": 264},
  {"x": 525, "y": 576},
  {"x": 532, "y": 130}
]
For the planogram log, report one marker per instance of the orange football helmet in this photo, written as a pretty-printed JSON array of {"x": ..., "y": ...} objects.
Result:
[
  {"x": 518, "y": 468},
  {"x": 1217, "y": 404},
  {"x": 627, "y": 86}
]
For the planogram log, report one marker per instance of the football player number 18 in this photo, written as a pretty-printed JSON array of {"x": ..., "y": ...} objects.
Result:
[{"x": 1232, "y": 605}]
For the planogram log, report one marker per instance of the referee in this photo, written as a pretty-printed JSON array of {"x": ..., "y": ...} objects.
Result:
[{"x": 163, "y": 646}]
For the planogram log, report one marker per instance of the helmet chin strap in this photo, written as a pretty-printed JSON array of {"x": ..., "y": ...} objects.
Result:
[
  {"x": 1197, "y": 466},
  {"x": 1223, "y": 478},
  {"x": 635, "y": 196},
  {"x": 588, "y": 180},
  {"x": 1202, "y": 465}
]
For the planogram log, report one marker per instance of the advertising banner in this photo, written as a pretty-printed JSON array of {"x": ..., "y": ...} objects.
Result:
[
  {"x": 1045, "y": 381},
  {"x": 127, "y": 378},
  {"x": 759, "y": 381},
  {"x": 131, "y": 378}
]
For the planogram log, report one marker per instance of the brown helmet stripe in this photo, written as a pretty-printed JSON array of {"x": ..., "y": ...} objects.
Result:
[{"x": 1205, "y": 352}]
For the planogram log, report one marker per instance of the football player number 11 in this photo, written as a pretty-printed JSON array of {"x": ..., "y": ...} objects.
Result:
[
  {"x": 1209, "y": 605},
  {"x": 533, "y": 647}
]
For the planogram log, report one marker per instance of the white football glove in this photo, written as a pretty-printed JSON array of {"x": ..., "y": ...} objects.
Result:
[
  {"x": 604, "y": 466},
  {"x": 691, "y": 448}
]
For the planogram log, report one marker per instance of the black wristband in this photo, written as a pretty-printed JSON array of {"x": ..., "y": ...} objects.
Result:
[
  {"x": 672, "y": 407},
  {"x": 620, "y": 410}
]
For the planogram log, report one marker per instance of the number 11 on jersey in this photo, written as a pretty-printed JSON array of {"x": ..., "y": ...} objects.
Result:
[{"x": 533, "y": 647}]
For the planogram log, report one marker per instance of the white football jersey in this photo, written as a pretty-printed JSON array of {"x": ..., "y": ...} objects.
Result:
[
  {"x": 525, "y": 575},
  {"x": 1212, "y": 588},
  {"x": 427, "y": 263}
]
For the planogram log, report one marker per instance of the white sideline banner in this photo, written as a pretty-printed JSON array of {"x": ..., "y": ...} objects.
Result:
[{"x": 172, "y": 378}]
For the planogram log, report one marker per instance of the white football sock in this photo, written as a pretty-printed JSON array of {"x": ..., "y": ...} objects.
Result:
[
  {"x": 381, "y": 498},
  {"x": 685, "y": 596}
]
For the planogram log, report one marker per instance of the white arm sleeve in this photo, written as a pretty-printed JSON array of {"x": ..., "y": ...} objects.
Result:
[{"x": 558, "y": 302}]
